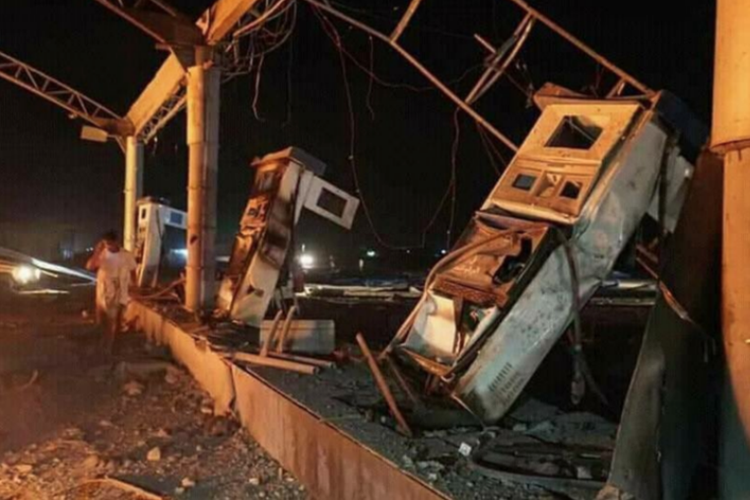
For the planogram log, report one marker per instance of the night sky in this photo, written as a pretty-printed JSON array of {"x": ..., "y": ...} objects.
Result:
[{"x": 403, "y": 136}]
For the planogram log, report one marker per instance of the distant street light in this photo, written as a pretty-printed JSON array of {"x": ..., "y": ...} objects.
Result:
[{"x": 306, "y": 260}]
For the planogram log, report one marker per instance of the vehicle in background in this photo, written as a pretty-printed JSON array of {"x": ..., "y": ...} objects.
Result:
[{"x": 23, "y": 274}]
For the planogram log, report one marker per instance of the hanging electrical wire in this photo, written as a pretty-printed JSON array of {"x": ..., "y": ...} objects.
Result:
[
  {"x": 384, "y": 83},
  {"x": 335, "y": 36},
  {"x": 271, "y": 12},
  {"x": 368, "y": 99},
  {"x": 259, "y": 35},
  {"x": 371, "y": 13},
  {"x": 352, "y": 133},
  {"x": 493, "y": 147},
  {"x": 290, "y": 65},
  {"x": 454, "y": 180},
  {"x": 488, "y": 152},
  {"x": 256, "y": 95},
  {"x": 450, "y": 94},
  {"x": 529, "y": 89}
]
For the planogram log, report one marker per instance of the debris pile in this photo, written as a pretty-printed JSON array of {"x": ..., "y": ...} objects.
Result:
[{"x": 142, "y": 423}]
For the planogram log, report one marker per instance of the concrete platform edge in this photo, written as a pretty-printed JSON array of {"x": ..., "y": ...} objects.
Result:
[{"x": 331, "y": 464}]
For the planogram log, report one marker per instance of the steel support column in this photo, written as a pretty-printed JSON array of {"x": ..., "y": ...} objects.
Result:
[
  {"x": 203, "y": 84},
  {"x": 735, "y": 421},
  {"x": 731, "y": 136},
  {"x": 133, "y": 189}
]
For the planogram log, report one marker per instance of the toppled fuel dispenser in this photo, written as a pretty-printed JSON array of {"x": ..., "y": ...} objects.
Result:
[
  {"x": 544, "y": 241},
  {"x": 285, "y": 183}
]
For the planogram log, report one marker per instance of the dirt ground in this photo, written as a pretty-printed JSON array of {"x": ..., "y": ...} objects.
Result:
[{"x": 68, "y": 420}]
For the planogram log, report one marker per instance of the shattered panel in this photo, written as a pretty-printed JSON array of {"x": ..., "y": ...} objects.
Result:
[{"x": 473, "y": 285}]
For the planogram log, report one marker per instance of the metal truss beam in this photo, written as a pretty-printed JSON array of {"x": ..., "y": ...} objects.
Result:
[
  {"x": 173, "y": 105},
  {"x": 166, "y": 25},
  {"x": 164, "y": 97},
  {"x": 56, "y": 92}
]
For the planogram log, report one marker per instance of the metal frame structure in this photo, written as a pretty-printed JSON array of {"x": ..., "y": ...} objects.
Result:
[
  {"x": 730, "y": 137},
  {"x": 106, "y": 123},
  {"x": 171, "y": 107},
  {"x": 191, "y": 77},
  {"x": 164, "y": 96},
  {"x": 499, "y": 60},
  {"x": 192, "y": 65},
  {"x": 164, "y": 23},
  {"x": 64, "y": 96}
]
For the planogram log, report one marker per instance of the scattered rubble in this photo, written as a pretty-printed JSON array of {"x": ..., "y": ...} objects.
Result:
[
  {"x": 133, "y": 388},
  {"x": 24, "y": 468},
  {"x": 154, "y": 454},
  {"x": 70, "y": 431},
  {"x": 90, "y": 463}
]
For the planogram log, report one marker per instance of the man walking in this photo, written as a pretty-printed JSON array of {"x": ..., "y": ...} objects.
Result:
[{"x": 114, "y": 268}]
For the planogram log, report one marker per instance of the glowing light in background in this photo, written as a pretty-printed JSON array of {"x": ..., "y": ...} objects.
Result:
[{"x": 306, "y": 260}]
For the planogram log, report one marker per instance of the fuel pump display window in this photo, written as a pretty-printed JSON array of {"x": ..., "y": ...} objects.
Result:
[
  {"x": 524, "y": 182},
  {"x": 575, "y": 132},
  {"x": 331, "y": 202}
]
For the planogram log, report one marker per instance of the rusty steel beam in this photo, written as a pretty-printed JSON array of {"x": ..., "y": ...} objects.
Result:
[
  {"x": 382, "y": 384},
  {"x": 496, "y": 69},
  {"x": 584, "y": 48},
  {"x": 285, "y": 330},
  {"x": 404, "y": 22},
  {"x": 281, "y": 364}
]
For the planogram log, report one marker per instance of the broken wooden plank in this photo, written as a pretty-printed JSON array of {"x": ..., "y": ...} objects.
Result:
[
  {"x": 383, "y": 386},
  {"x": 282, "y": 364},
  {"x": 402, "y": 382},
  {"x": 271, "y": 334},
  {"x": 303, "y": 359},
  {"x": 285, "y": 330}
]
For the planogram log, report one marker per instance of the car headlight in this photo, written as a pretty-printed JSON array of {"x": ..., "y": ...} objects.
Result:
[{"x": 26, "y": 274}]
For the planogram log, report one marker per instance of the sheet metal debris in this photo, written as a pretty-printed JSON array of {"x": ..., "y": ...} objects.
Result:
[{"x": 668, "y": 416}]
